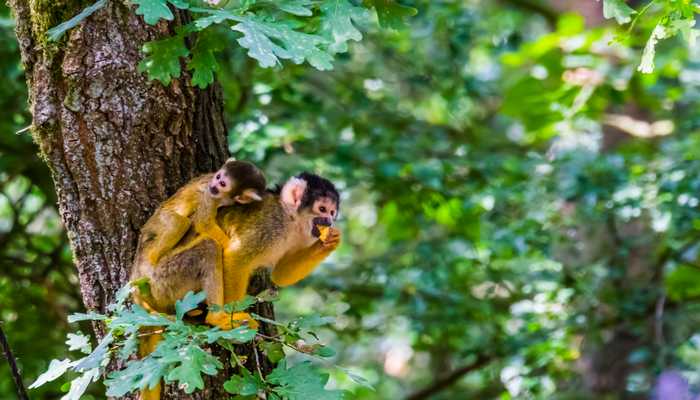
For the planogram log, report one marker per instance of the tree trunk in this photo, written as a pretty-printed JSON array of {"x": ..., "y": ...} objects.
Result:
[{"x": 117, "y": 144}]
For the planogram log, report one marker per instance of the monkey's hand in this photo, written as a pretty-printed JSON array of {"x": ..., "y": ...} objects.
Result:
[
  {"x": 330, "y": 239},
  {"x": 298, "y": 265},
  {"x": 228, "y": 321},
  {"x": 215, "y": 233}
]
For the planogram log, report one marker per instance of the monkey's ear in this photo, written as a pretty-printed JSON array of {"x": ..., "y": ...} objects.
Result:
[
  {"x": 293, "y": 191},
  {"x": 248, "y": 196}
]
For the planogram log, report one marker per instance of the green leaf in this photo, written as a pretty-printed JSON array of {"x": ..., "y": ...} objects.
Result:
[
  {"x": 129, "y": 346},
  {"x": 360, "y": 380},
  {"x": 138, "y": 316},
  {"x": 619, "y": 10},
  {"x": 91, "y": 316},
  {"x": 153, "y": 10},
  {"x": 79, "y": 385},
  {"x": 138, "y": 374},
  {"x": 685, "y": 27},
  {"x": 120, "y": 298},
  {"x": 311, "y": 321},
  {"x": 267, "y": 320},
  {"x": 390, "y": 13},
  {"x": 337, "y": 17},
  {"x": 325, "y": 351},
  {"x": 258, "y": 38},
  {"x": 56, "y": 369},
  {"x": 95, "y": 359},
  {"x": 246, "y": 385},
  {"x": 143, "y": 285},
  {"x": 188, "y": 303},
  {"x": 195, "y": 361},
  {"x": 241, "y": 334},
  {"x": 683, "y": 282},
  {"x": 646, "y": 66},
  {"x": 302, "y": 382},
  {"x": 78, "y": 341},
  {"x": 215, "y": 17},
  {"x": 273, "y": 350},
  {"x": 163, "y": 58},
  {"x": 296, "y": 7},
  {"x": 240, "y": 305},
  {"x": 203, "y": 62},
  {"x": 181, "y": 4},
  {"x": 267, "y": 295},
  {"x": 57, "y": 31}
]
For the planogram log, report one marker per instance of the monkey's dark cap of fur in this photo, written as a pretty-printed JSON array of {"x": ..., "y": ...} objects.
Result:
[
  {"x": 317, "y": 187},
  {"x": 246, "y": 175}
]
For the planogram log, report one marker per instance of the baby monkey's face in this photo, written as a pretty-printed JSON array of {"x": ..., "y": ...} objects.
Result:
[
  {"x": 238, "y": 181},
  {"x": 220, "y": 184}
]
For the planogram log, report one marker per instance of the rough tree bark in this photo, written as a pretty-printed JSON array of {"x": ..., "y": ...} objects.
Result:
[{"x": 117, "y": 144}]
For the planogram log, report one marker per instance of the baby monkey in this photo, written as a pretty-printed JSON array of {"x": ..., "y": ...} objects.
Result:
[{"x": 195, "y": 204}]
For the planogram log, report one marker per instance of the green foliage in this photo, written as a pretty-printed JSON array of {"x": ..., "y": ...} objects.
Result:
[
  {"x": 180, "y": 356},
  {"x": 619, "y": 10},
  {"x": 188, "y": 303},
  {"x": 300, "y": 382},
  {"x": 203, "y": 63},
  {"x": 245, "y": 385},
  {"x": 162, "y": 61},
  {"x": 683, "y": 283},
  {"x": 155, "y": 10},
  {"x": 392, "y": 14},
  {"x": 305, "y": 31},
  {"x": 259, "y": 36},
  {"x": 673, "y": 17}
]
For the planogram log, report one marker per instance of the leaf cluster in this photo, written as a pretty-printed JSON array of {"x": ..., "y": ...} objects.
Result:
[{"x": 182, "y": 355}]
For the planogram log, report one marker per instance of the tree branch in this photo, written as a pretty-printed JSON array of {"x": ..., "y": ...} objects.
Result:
[
  {"x": 21, "y": 391},
  {"x": 450, "y": 379}
]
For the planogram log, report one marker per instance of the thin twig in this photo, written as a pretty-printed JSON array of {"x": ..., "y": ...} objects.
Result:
[
  {"x": 450, "y": 379},
  {"x": 156, "y": 332},
  {"x": 237, "y": 360},
  {"x": 257, "y": 361},
  {"x": 16, "y": 376},
  {"x": 659, "y": 326}
]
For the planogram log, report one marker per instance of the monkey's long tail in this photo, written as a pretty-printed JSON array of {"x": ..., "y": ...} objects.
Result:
[{"x": 147, "y": 345}]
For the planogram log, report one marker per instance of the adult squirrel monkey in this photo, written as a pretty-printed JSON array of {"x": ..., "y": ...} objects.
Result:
[
  {"x": 290, "y": 231},
  {"x": 281, "y": 230},
  {"x": 196, "y": 204}
]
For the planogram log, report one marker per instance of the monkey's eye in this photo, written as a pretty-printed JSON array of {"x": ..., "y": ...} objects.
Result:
[
  {"x": 218, "y": 176},
  {"x": 333, "y": 213},
  {"x": 322, "y": 209},
  {"x": 222, "y": 183}
]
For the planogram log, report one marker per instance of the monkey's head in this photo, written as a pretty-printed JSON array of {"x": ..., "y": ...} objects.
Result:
[
  {"x": 314, "y": 198},
  {"x": 240, "y": 181}
]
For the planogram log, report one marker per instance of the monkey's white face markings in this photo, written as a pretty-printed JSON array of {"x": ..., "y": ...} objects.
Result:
[
  {"x": 325, "y": 207},
  {"x": 220, "y": 184}
]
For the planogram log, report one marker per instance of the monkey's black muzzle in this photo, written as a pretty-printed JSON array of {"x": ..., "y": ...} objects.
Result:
[{"x": 322, "y": 222}]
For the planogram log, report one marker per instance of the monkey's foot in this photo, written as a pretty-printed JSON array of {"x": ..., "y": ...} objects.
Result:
[{"x": 228, "y": 321}]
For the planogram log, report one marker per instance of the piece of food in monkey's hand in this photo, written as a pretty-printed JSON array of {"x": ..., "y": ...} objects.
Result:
[
  {"x": 323, "y": 232},
  {"x": 321, "y": 228}
]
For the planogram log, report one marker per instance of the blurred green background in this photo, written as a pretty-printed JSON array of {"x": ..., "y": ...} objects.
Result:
[{"x": 515, "y": 195}]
